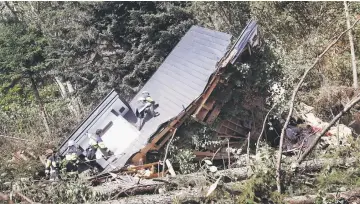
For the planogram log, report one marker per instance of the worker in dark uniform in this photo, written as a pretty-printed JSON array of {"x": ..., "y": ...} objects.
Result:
[
  {"x": 71, "y": 162},
  {"x": 52, "y": 165}
]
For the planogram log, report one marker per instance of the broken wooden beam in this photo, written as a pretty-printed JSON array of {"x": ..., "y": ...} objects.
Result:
[
  {"x": 211, "y": 155},
  {"x": 214, "y": 81}
]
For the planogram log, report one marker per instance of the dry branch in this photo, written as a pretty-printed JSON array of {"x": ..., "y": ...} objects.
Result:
[
  {"x": 166, "y": 151},
  {"x": 292, "y": 101},
  {"x": 15, "y": 138},
  {"x": 180, "y": 195},
  {"x": 200, "y": 179},
  {"x": 263, "y": 128}
]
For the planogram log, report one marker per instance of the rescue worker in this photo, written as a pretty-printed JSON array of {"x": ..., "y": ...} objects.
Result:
[
  {"x": 147, "y": 103},
  {"x": 95, "y": 143},
  {"x": 71, "y": 164},
  {"x": 52, "y": 165}
]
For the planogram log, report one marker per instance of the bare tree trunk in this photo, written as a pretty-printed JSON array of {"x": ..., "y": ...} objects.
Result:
[
  {"x": 74, "y": 101},
  {"x": 333, "y": 121},
  {"x": 61, "y": 87},
  {"x": 41, "y": 105},
  {"x": 12, "y": 10},
  {"x": 351, "y": 41},
  {"x": 70, "y": 87},
  {"x": 292, "y": 101}
]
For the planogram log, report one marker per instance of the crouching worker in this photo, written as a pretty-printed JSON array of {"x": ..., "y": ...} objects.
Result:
[
  {"x": 71, "y": 162},
  {"x": 95, "y": 143},
  {"x": 52, "y": 165},
  {"x": 147, "y": 104}
]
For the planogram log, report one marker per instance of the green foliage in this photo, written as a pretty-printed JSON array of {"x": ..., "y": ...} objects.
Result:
[
  {"x": 335, "y": 179},
  {"x": 185, "y": 157},
  {"x": 21, "y": 55},
  {"x": 62, "y": 192},
  {"x": 262, "y": 183},
  {"x": 103, "y": 45},
  {"x": 230, "y": 16}
]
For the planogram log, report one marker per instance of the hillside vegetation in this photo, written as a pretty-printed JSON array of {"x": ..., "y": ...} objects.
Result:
[{"x": 59, "y": 59}]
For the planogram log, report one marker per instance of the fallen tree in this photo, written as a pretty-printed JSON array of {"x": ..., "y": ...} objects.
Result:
[
  {"x": 311, "y": 199},
  {"x": 170, "y": 197},
  {"x": 203, "y": 179}
]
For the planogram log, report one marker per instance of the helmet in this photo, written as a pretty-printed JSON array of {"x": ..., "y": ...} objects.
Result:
[
  {"x": 140, "y": 99},
  {"x": 71, "y": 143},
  {"x": 49, "y": 152},
  {"x": 145, "y": 93},
  {"x": 98, "y": 131}
]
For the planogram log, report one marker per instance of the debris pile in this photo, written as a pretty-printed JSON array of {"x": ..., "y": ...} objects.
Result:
[{"x": 300, "y": 134}]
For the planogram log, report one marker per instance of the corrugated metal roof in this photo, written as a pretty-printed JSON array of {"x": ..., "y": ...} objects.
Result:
[
  {"x": 245, "y": 37},
  {"x": 180, "y": 80},
  {"x": 111, "y": 100}
]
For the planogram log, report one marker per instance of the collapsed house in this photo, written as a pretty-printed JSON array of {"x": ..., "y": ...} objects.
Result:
[{"x": 181, "y": 86}]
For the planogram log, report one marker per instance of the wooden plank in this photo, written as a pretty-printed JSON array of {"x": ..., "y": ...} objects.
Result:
[
  {"x": 215, "y": 80},
  {"x": 239, "y": 122},
  {"x": 142, "y": 166},
  {"x": 201, "y": 155},
  {"x": 232, "y": 129},
  {"x": 214, "y": 114},
  {"x": 202, "y": 115},
  {"x": 171, "y": 169},
  {"x": 173, "y": 125},
  {"x": 163, "y": 142},
  {"x": 209, "y": 104},
  {"x": 231, "y": 136}
]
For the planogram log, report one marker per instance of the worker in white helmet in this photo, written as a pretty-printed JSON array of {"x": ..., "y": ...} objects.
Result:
[
  {"x": 52, "y": 165},
  {"x": 72, "y": 158},
  {"x": 95, "y": 143},
  {"x": 147, "y": 103}
]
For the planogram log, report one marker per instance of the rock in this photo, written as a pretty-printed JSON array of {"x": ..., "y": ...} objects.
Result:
[{"x": 3, "y": 174}]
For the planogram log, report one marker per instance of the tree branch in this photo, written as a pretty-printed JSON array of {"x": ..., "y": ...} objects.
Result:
[
  {"x": 278, "y": 166},
  {"x": 15, "y": 138},
  {"x": 333, "y": 121},
  {"x": 166, "y": 151},
  {"x": 263, "y": 128}
]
